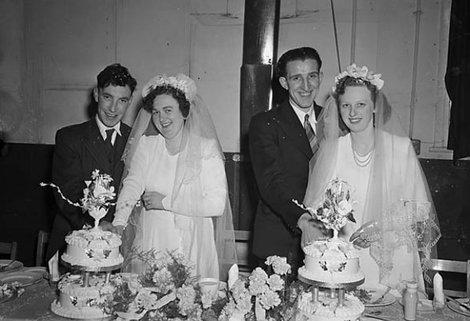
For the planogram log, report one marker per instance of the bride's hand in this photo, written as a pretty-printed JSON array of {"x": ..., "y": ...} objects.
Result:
[
  {"x": 153, "y": 200},
  {"x": 365, "y": 235},
  {"x": 116, "y": 229}
]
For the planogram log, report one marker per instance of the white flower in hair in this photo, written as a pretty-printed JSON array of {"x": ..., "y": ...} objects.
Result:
[
  {"x": 360, "y": 73},
  {"x": 179, "y": 81}
]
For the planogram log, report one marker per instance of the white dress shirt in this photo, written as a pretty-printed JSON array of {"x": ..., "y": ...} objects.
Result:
[
  {"x": 301, "y": 114},
  {"x": 102, "y": 127}
]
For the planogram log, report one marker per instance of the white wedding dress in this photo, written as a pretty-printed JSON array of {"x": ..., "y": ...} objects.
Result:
[
  {"x": 357, "y": 174},
  {"x": 153, "y": 169}
]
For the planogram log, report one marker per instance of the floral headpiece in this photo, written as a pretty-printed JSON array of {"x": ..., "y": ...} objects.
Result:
[
  {"x": 179, "y": 81},
  {"x": 362, "y": 73}
]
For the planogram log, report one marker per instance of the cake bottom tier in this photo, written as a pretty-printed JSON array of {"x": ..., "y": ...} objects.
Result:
[
  {"x": 78, "y": 312},
  {"x": 326, "y": 308},
  {"x": 83, "y": 302}
]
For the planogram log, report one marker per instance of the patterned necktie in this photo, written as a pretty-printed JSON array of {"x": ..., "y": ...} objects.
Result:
[{"x": 312, "y": 138}]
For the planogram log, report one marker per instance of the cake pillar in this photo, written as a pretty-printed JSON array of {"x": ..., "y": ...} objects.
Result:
[
  {"x": 332, "y": 293},
  {"x": 86, "y": 281},
  {"x": 315, "y": 294},
  {"x": 340, "y": 297}
]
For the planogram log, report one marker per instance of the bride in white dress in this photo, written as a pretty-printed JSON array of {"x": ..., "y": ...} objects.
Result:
[
  {"x": 176, "y": 176},
  {"x": 396, "y": 225}
]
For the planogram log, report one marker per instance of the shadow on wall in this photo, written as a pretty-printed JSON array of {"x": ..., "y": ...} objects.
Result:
[
  {"x": 11, "y": 115},
  {"x": 91, "y": 106},
  {"x": 26, "y": 206}
]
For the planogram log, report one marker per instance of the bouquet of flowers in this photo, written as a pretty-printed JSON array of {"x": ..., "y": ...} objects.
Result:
[
  {"x": 263, "y": 296},
  {"x": 335, "y": 207},
  {"x": 97, "y": 195},
  {"x": 166, "y": 290}
]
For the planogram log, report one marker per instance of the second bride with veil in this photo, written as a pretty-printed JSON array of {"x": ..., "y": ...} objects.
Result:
[{"x": 364, "y": 145}]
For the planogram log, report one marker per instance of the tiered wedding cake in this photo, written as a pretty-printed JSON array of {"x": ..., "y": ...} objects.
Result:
[
  {"x": 89, "y": 250},
  {"x": 332, "y": 265}
]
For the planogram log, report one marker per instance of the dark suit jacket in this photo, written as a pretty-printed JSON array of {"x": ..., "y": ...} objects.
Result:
[
  {"x": 79, "y": 150},
  {"x": 280, "y": 155}
]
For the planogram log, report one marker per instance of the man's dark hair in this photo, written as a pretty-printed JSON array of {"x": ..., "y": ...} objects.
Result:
[
  {"x": 302, "y": 54},
  {"x": 116, "y": 75}
]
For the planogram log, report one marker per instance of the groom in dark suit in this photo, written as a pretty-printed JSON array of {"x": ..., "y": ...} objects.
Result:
[
  {"x": 82, "y": 148},
  {"x": 282, "y": 142}
]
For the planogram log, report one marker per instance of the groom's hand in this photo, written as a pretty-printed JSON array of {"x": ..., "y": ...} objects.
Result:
[
  {"x": 153, "y": 200},
  {"x": 312, "y": 230}
]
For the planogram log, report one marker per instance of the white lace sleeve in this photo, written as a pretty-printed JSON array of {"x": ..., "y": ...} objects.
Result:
[
  {"x": 212, "y": 198},
  {"x": 417, "y": 205},
  {"x": 215, "y": 186},
  {"x": 133, "y": 185}
]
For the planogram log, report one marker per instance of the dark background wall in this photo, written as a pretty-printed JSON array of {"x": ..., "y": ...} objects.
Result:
[{"x": 27, "y": 208}]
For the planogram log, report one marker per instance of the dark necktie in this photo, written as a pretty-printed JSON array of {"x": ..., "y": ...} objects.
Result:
[
  {"x": 109, "y": 136},
  {"x": 312, "y": 138}
]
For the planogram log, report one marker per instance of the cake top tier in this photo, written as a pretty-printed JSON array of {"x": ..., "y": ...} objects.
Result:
[
  {"x": 331, "y": 249},
  {"x": 93, "y": 239}
]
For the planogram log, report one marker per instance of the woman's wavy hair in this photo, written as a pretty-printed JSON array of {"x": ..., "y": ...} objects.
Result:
[
  {"x": 358, "y": 82},
  {"x": 177, "y": 94}
]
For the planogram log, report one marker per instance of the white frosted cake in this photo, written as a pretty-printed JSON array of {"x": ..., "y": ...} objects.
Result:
[
  {"x": 79, "y": 302},
  {"x": 93, "y": 248},
  {"x": 331, "y": 261},
  {"x": 326, "y": 308}
]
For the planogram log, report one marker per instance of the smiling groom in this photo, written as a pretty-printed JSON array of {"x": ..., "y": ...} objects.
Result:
[
  {"x": 282, "y": 142},
  {"x": 82, "y": 148}
]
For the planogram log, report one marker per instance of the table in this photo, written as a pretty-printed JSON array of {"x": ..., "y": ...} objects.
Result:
[
  {"x": 35, "y": 303},
  {"x": 395, "y": 312}
]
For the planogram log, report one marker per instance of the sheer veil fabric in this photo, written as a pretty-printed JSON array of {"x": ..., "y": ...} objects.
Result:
[
  {"x": 199, "y": 143},
  {"x": 397, "y": 197}
]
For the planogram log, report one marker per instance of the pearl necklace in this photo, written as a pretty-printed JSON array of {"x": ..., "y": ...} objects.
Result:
[{"x": 363, "y": 161}]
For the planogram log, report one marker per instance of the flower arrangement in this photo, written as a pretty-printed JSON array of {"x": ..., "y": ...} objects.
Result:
[
  {"x": 362, "y": 73},
  {"x": 335, "y": 208},
  {"x": 97, "y": 195},
  {"x": 8, "y": 290},
  {"x": 179, "y": 81},
  {"x": 165, "y": 290},
  {"x": 263, "y": 295}
]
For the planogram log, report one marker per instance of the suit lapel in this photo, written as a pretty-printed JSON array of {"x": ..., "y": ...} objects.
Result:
[
  {"x": 290, "y": 124},
  {"x": 95, "y": 144}
]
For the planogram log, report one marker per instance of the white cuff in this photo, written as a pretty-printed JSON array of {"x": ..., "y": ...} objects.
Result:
[
  {"x": 166, "y": 203},
  {"x": 117, "y": 222}
]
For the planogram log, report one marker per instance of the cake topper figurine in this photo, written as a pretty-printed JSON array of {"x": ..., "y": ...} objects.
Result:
[
  {"x": 97, "y": 195},
  {"x": 334, "y": 209}
]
